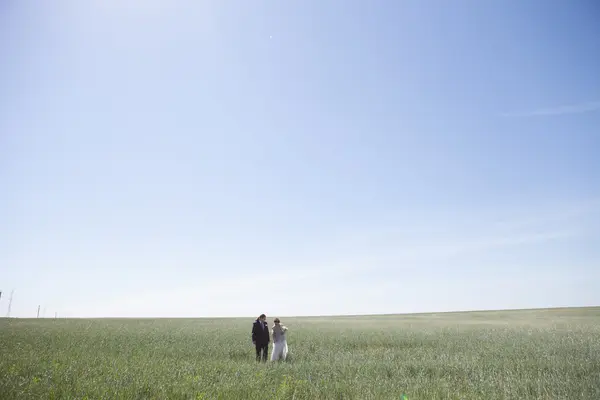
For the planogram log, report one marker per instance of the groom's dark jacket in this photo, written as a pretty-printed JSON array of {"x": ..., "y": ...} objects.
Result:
[{"x": 260, "y": 333}]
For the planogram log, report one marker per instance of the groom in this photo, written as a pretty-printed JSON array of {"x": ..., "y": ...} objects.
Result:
[{"x": 260, "y": 337}]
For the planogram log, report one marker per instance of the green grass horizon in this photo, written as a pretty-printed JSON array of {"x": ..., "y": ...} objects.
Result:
[{"x": 551, "y": 353}]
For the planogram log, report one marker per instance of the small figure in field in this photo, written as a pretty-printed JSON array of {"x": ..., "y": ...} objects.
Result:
[
  {"x": 280, "y": 347},
  {"x": 260, "y": 337}
]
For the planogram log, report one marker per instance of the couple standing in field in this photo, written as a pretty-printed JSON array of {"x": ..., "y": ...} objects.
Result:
[{"x": 261, "y": 336}]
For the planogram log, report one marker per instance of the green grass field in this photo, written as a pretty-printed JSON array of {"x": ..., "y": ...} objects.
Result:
[{"x": 532, "y": 354}]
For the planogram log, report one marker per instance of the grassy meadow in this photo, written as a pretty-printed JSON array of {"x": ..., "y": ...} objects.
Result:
[{"x": 529, "y": 354}]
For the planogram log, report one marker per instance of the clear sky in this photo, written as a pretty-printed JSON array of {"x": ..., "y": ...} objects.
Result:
[{"x": 228, "y": 158}]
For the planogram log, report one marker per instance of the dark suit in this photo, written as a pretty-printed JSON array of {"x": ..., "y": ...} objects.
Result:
[{"x": 261, "y": 339}]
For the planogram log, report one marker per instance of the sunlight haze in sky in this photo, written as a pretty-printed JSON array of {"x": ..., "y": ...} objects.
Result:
[{"x": 229, "y": 158}]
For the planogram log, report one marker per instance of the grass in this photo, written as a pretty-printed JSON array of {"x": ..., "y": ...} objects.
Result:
[{"x": 529, "y": 354}]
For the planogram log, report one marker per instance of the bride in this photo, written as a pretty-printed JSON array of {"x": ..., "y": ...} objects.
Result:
[{"x": 280, "y": 347}]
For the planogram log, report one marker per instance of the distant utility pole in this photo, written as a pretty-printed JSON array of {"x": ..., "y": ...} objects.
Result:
[
  {"x": 38, "y": 314},
  {"x": 10, "y": 303}
]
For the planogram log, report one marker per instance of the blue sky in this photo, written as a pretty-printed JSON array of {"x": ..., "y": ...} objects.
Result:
[{"x": 228, "y": 158}]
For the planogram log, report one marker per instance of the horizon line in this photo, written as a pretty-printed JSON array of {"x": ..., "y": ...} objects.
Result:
[{"x": 334, "y": 315}]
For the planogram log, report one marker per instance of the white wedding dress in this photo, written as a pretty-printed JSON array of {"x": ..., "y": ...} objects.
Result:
[{"x": 280, "y": 347}]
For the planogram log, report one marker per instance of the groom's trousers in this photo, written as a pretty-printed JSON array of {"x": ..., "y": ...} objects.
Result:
[{"x": 262, "y": 351}]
